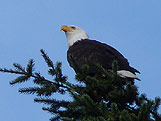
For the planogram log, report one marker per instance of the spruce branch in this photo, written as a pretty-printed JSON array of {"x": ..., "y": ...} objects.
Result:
[
  {"x": 51, "y": 101},
  {"x": 19, "y": 67},
  {"x": 47, "y": 59}
]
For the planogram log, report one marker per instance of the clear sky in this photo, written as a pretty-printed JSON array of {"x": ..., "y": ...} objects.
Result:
[{"x": 26, "y": 26}]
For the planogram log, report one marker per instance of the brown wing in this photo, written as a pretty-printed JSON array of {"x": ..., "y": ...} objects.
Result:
[{"x": 91, "y": 51}]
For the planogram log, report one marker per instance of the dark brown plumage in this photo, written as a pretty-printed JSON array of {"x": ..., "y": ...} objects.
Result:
[{"x": 90, "y": 51}]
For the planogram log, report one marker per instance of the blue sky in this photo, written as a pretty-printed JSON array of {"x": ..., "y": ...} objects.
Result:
[{"x": 26, "y": 26}]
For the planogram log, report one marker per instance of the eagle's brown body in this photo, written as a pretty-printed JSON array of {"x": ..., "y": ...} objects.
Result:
[{"x": 90, "y": 51}]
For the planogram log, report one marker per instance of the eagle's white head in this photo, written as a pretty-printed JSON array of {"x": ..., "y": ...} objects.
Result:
[{"x": 74, "y": 34}]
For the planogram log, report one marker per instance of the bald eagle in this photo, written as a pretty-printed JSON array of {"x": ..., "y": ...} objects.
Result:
[{"x": 85, "y": 51}]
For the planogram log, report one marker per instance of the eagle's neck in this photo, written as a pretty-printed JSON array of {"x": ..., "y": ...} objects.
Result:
[{"x": 72, "y": 38}]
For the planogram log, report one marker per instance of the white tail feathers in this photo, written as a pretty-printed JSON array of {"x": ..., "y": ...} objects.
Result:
[{"x": 127, "y": 74}]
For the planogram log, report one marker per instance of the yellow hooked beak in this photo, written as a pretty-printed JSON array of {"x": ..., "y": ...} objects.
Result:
[{"x": 65, "y": 28}]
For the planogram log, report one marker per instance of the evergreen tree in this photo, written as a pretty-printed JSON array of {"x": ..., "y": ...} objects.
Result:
[{"x": 102, "y": 97}]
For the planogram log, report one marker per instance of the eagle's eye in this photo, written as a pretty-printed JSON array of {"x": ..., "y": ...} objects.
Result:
[{"x": 73, "y": 27}]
